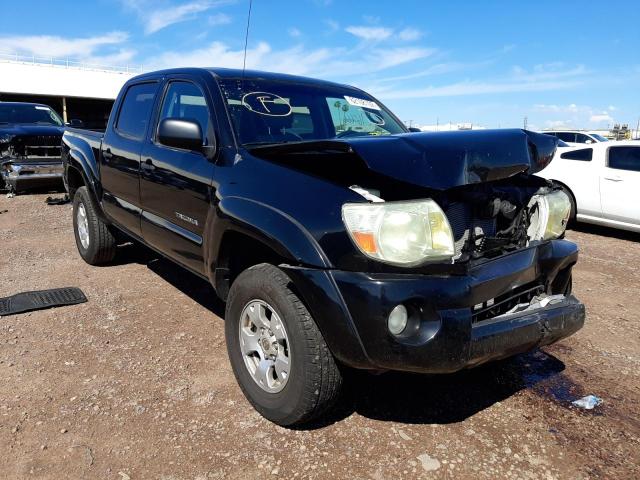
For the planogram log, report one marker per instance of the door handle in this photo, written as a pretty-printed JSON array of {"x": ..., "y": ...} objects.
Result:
[
  {"x": 148, "y": 165},
  {"x": 613, "y": 179},
  {"x": 107, "y": 154}
]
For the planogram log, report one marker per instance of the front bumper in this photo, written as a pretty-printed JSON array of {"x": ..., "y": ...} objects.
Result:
[
  {"x": 446, "y": 333},
  {"x": 19, "y": 176}
]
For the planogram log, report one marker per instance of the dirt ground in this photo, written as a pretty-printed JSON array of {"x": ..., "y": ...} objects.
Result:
[{"x": 136, "y": 383}]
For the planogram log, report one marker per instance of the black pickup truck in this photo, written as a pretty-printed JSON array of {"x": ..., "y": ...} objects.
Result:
[{"x": 337, "y": 237}]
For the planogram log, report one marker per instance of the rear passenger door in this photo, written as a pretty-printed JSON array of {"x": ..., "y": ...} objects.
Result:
[
  {"x": 175, "y": 184},
  {"x": 120, "y": 155},
  {"x": 620, "y": 184}
]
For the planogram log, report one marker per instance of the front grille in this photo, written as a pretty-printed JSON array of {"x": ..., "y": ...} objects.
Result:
[
  {"x": 42, "y": 141},
  {"x": 462, "y": 221},
  {"x": 38, "y": 146},
  {"x": 505, "y": 302}
]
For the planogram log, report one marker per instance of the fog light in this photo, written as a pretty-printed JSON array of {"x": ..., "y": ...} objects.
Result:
[{"x": 398, "y": 320}]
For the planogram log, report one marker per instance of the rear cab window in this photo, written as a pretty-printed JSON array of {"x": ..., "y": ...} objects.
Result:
[
  {"x": 135, "y": 110},
  {"x": 624, "y": 158}
]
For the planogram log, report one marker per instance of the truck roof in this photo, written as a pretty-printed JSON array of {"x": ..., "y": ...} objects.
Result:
[{"x": 233, "y": 73}]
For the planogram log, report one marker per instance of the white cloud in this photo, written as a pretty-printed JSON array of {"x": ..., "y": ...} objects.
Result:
[
  {"x": 575, "y": 116},
  {"x": 370, "y": 33},
  {"x": 321, "y": 62},
  {"x": 218, "y": 19},
  {"x": 155, "y": 19},
  {"x": 601, "y": 118},
  {"x": 54, "y": 46},
  {"x": 294, "y": 32},
  {"x": 409, "y": 34},
  {"x": 333, "y": 25},
  {"x": 478, "y": 88},
  {"x": 541, "y": 78},
  {"x": 552, "y": 108}
]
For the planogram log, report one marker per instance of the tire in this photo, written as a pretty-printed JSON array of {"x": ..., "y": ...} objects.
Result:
[
  {"x": 313, "y": 381},
  {"x": 96, "y": 244}
]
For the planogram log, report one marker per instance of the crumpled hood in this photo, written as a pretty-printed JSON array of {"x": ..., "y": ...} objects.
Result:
[
  {"x": 443, "y": 160},
  {"x": 439, "y": 160}
]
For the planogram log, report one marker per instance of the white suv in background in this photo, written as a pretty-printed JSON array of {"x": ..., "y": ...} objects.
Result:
[
  {"x": 602, "y": 180},
  {"x": 576, "y": 137}
]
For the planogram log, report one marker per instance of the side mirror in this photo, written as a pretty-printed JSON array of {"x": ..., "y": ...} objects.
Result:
[
  {"x": 74, "y": 122},
  {"x": 414, "y": 130},
  {"x": 179, "y": 133},
  {"x": 589, "y": 141}
]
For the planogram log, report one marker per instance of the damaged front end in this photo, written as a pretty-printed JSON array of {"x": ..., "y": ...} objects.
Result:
[
  {"x": 31, "y": 161},
  {"x": 480, "y": 182},
  {"x": 453, "y": 255}
]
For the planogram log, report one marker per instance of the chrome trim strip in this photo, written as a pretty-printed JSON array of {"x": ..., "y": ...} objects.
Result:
[{"x": 183, "y": 232}]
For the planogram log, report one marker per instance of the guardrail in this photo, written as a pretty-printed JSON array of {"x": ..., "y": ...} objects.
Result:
[{"x": 67, "y": 63}]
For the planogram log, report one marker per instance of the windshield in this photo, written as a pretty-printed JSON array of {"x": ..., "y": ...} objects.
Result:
[
  {"x": 264, "y": 112},
  {"x": 600, "y": 138},
  {"x": 28, "y": 114}
]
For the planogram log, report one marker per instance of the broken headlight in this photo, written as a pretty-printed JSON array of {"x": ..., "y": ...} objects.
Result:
[
  {"x": 400, "y": 233},
  {"x": 549, "y": 215}
]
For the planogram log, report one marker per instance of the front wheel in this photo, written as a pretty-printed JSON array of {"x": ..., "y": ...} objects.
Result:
[
  {"x": 96, "y": 244},
  {"x": 277, "y": 353}
]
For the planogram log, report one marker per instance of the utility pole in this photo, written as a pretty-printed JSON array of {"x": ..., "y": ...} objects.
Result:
[{"x": 525, "y": 123}]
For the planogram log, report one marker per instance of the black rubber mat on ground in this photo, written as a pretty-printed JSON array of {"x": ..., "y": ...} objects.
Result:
[{"x": 27, "y": 301}]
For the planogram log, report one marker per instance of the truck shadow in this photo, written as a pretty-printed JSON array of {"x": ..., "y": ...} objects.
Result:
[
  {"x": 443, "y": 399},
  {"x": 397, "y": 396}
]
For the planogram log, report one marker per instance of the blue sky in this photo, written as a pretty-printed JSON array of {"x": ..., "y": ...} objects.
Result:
[{"x": 491, "y": 63}]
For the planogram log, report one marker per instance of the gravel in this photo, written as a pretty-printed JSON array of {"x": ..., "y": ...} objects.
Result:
[{"x": 136, "y": 383}]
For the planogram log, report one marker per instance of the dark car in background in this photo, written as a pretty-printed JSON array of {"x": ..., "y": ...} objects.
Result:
[{"x": 30, "y": 138}]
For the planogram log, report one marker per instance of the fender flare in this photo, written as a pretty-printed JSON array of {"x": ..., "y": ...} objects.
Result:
[
  {"x": 81, "y": 157},
  {"x": 272, "y": 227}
]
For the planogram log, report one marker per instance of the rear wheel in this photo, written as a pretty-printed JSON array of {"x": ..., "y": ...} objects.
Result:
[
  {"x": 277, "y": 353},
  {"x": 96, "y": 244}
]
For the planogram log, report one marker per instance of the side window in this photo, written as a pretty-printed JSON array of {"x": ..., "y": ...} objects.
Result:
[
  {"x": 184, "y": 100},
  {"x": 624, "y": 158},
  {"x": 582, "y": 138},
  {"x": 136, "y": 109},
  {"x": 584, "y": 154},
  {"x": 566, "y": 136}
]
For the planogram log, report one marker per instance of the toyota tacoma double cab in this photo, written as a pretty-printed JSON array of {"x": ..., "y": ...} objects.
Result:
[{"x": 337, "y": 237}]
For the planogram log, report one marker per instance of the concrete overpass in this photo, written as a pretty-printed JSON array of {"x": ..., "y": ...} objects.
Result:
[{"x": 76, "y": 90}]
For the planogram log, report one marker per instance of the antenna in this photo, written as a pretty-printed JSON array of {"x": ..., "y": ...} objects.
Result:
[{"x": 246, "y": 39}]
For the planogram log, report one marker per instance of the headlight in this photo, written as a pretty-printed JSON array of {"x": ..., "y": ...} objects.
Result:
[
  {"x": 401, "y": 233},
  {"x": 550, "y": 217}
]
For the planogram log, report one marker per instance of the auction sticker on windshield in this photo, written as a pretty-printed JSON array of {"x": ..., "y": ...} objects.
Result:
[{"x": 361, "y": 102}]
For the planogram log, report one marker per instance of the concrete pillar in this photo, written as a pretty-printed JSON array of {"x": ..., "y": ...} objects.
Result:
[{"x": 64, "y": 109}]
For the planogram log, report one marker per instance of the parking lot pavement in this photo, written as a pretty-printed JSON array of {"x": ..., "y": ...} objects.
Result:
[{"x": 136, "y": 383}]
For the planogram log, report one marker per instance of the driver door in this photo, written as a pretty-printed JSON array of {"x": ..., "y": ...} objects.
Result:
[{"x": 175, "y": 184}]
